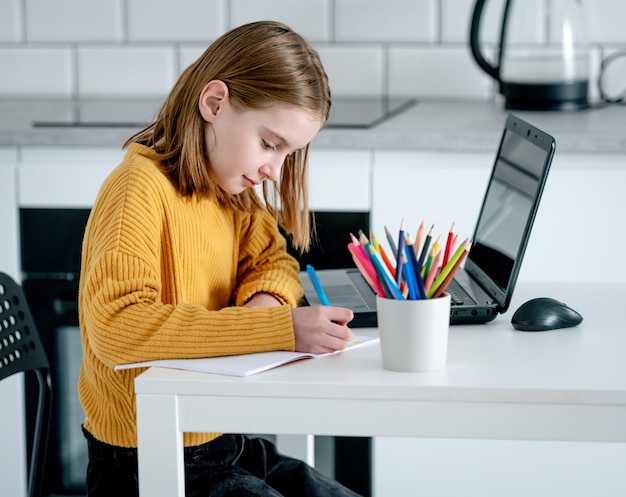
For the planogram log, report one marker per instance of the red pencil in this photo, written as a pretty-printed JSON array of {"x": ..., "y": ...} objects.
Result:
[{"x": 448, "y": 249}]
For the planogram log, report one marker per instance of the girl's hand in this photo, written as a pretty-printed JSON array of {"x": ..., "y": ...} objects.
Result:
[{"x": 321, "y": 329}]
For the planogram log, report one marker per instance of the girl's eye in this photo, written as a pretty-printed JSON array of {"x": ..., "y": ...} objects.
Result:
[{"x": 268, "y": 146}]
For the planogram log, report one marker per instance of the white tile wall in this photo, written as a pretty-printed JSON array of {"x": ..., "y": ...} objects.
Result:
[
  {"x": 310, "y": 18},
  {"x": 606, "y": 21},
  {"x": 10, "y": 20},
  {"x": 187, "y": 20},
  {"x": 411, "y": 73},
  {"x": 354, "y": 69},
  {"x": 147, "y": 71},
  {"x": 73, "y": 20},
  {"x": 74, "y": 48},
  {"x": 381, "y": 21},
  {"x": 36, "y": 70},
  {"x": 456, "y": 17}
]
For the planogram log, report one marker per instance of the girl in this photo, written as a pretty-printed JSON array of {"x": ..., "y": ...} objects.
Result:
[{"x": 182, "y": 259}]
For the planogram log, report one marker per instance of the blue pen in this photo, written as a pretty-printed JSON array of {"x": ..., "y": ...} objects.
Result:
[{"x": 317, "y": 285}]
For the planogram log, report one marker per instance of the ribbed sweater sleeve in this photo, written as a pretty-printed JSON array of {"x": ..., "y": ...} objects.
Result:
[{"x": 165, "y": 277}]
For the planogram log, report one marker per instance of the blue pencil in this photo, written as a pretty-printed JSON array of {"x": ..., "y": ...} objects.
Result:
[
  {"x": 385, "y": 278},
  {"x": 317, "y": 285},
  {"x": 409, "y": 276},
  {"x": 399, "y": 254},
  {"x": 410, "y": 254}
]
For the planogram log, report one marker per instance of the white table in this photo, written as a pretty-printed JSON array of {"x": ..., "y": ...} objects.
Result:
[{"x": 500, "y": 383}]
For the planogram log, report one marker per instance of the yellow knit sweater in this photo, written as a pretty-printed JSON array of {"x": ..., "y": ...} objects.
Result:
[{"x": 165, "y": 277}]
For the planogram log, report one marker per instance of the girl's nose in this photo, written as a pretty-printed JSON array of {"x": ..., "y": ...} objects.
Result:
[{"x": 271, "y": 170}]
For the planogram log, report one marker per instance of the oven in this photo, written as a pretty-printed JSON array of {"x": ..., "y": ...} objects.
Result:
[{"x": 50, "y": 240}]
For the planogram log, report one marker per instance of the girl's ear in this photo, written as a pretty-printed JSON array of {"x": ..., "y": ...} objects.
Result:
[{"x": 212, "y": 97}]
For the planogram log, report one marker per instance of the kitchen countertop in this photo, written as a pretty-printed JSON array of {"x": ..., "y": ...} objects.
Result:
[{"x": 428, "y": 126}]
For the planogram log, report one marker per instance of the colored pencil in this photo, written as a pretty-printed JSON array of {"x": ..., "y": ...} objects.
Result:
[
  {"x": 410, "y": 250},
  {"x": 388, "y": 283},
  {"x": 444, "y": 285},
  {"x": 317, "y": 285},
  {"x": 382, "y": 253},
  {"x": 418, "y": 238},
  {"x": 409, "y": 272},
  {"x": 399, "y": 255},
  {"x": 448, "y": 249},
  {"x": 451, "y": 267},
  {"x": 379, "y": 269},
  {"x": 362, "y": 261},
  {"x": 424, "y": 252},
  {"x": 432, "y": 272},
  {"x": 391, "y": 241},
  {"x": 431, "y": 255}
]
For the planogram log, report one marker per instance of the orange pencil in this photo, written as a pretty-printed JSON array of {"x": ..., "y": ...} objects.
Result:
[
  {"x": 418, "y": 239},
  {"x": 432, "y": 272},
  {"x": 382, "y": 253}
]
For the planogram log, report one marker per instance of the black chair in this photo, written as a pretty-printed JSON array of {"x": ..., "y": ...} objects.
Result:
[{"x": 21, "y": 350}]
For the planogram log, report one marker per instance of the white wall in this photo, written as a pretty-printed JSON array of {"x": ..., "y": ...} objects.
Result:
[{"x": 84, "y": 49}]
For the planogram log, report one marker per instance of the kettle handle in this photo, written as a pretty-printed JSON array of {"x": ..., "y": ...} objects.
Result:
[{"x": 493, "y": 71}]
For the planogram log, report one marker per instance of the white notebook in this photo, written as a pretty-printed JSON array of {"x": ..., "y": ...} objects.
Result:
[{"x": 244, "y": 364}]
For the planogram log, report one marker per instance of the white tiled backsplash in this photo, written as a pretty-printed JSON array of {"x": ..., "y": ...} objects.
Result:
[{"x": 94, "y": 48}]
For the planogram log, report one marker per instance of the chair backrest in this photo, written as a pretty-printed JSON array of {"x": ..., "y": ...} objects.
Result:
[
  {"x": 20, "y": 346},
  {"x": 21, "y": 350}
]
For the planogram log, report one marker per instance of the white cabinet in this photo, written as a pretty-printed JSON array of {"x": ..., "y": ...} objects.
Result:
[
  {"x": 12, "y": 427},
  {"x": 64, "y": 177},
  {"x": 9, "y": 260},
  {"x": 579, "y": 230}
]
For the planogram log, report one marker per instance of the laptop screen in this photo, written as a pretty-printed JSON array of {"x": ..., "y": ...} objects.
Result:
[{"x": 509, "y": 207}]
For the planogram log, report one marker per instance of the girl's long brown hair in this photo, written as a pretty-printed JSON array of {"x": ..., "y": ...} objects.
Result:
[{"x": 262, "y": 63}]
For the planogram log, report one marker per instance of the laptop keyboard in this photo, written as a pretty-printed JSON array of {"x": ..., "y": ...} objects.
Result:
[
  {"x": 454, "y": 298},
  {"x": 458, "y": 296}
]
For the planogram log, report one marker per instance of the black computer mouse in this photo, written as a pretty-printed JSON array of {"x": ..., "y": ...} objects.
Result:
[{"x": 544, "y": 313}]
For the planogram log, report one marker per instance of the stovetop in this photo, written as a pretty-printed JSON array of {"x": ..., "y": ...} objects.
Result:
[{"x": 355, "y": 112}]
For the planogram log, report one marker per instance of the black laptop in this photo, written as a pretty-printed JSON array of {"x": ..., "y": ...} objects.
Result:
[{"x": 483, "y": 288}]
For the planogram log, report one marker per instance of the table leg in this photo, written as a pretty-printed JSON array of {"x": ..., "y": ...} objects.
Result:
[
  {"x": 299, "y": 446},
  {"x": 160, "y": 452}
]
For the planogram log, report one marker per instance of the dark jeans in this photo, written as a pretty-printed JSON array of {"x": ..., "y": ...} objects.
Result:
[{"x": 231, "y": 465}]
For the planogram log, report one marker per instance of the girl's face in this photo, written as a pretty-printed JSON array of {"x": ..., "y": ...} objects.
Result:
[{"x": 246, "y": 147}]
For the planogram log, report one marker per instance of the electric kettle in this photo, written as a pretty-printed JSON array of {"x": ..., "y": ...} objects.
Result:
[{"x": 543, "y": 57}]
